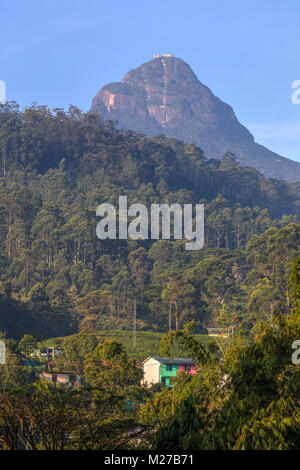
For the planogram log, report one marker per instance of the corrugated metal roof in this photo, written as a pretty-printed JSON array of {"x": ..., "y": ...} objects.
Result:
[{"x": 175, "y": 360}]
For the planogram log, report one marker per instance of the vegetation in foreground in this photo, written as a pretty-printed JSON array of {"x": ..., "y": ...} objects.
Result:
[{"x": 244, "y": 397}]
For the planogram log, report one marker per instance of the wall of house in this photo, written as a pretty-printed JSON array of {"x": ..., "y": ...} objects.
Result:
[
  {"x": 155, "y": 372},
  {"x": 47, "y": 376},
  {"x": 151, "y": 372},
  {"x": 62, "y": 378},
  {"x": 192, "y": 371},
  {"x": 166, "y": 376}
]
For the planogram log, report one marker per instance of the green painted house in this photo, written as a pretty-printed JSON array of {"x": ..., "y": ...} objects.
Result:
[{"x": 164, "y": 370}]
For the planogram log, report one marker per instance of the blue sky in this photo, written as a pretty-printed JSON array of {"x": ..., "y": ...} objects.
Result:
[{"x": 60, "y": 52}]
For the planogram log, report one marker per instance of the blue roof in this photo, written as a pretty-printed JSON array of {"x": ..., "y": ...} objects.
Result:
[{"x": 175, "y": 360}]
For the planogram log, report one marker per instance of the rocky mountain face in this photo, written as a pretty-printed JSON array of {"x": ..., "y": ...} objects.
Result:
[{"x": 164, "y": 96}]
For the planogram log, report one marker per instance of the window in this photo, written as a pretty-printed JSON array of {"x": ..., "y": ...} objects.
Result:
[
  {"x": 169, "y": 367},
  {"x": 163, "y": 380},
  {"x": 187, "y": 367}
]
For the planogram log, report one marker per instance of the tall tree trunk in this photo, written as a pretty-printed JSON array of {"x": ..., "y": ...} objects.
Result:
[
  {"x": 118, "y": 304},
  {"x": 111, "y": 304},
  {"x": 176, "y": 316},
  {"x": 170, "y": 316}
]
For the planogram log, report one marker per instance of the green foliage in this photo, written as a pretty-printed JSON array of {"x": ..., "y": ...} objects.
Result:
[
  {"x": 147, "y": 344},
  {"x": 27, "y": 343},
  {"x": 12, "y": 374},
  {"x": 56, "y": 167},
  {"x": 57, "y": 278},
  {"x": 294, "y": 283},
  {"x": 190, "y": 344},
  {"x": 109, "y": 367},
  {"x": 248, "y": 400},
  {"x": 74, "y": 351},
  {"x": 44, "y": 417}
]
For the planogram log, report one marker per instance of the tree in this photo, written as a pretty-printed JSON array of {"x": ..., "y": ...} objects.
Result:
[
  {"x": 28, "y": 342},
  {"x": 109, "y": 368},
  {"x": 171, "y": 295}
]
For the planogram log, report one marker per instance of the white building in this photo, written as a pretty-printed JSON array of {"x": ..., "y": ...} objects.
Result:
[{"x": 156, "y": 56}]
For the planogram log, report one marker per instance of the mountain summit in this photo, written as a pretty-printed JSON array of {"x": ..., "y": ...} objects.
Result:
[{"x": 164, "y": 96}]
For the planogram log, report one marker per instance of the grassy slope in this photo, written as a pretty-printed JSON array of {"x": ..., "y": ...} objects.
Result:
[{"x": 147, "y": 342}]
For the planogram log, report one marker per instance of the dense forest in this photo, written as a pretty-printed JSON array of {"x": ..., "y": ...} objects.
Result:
[{"x": 56, "y": 277}]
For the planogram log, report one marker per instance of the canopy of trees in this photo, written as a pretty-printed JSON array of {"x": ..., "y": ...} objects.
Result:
[{"x": 55, "y": 275}]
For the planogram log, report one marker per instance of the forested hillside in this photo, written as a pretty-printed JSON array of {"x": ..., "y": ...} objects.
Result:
[{"x": 56, "y": 276}]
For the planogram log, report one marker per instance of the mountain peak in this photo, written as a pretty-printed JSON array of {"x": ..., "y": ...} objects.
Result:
[{"x": 165, "y": 96}]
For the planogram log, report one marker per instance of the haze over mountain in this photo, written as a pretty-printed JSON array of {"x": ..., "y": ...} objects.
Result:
[{"x": 164, "y": 96}]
